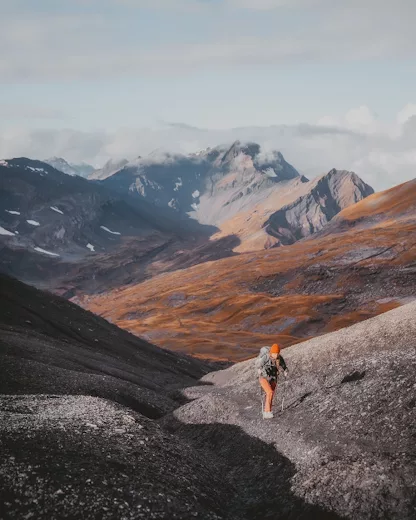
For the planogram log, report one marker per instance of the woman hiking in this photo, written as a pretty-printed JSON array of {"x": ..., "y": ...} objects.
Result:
[{"x": 268, "y": 364}]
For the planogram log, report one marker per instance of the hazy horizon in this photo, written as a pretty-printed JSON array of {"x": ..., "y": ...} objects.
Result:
[{"x": 327, "y": 84}]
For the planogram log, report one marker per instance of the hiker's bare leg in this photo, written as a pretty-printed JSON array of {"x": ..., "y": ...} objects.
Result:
[{"x": 269, "y": 394}]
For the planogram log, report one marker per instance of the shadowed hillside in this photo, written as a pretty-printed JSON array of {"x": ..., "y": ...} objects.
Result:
[{"x": 49, "y": 345}]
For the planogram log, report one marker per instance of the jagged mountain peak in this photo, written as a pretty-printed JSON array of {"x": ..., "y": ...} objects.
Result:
[
  {"x": 344, "y": 185},
  {"x": 251, "y": 155},
  {"x": 232, "y": 151},
  {"x": 210, "y": 185},
  {"x": 61, "y": 164},
  {"x": 318, "y": 202},
  {"x": 110, "y": 167},
  {"x": 337, "y": 172}
]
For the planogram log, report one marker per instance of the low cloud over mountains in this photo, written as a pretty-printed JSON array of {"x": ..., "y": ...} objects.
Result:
[{"x": 382, "y": 154}]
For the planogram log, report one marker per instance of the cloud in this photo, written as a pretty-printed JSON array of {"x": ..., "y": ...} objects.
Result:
[
  {"x": 182, "y": 126},
  {"x": 383, "y": 155},
  {"x": 406, "y": 113},
  {"x": 361, "y": 119},
  {"x": 16, "y": 112},
  {"x": 255, "y": 5},
  {"x": 267, "y": 5},
  {"x": 91, "y": 46},
  {"x": 40, "y": 144}
]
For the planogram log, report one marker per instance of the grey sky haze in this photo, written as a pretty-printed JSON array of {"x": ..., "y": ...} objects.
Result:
[{"x": 327, "y": 82}]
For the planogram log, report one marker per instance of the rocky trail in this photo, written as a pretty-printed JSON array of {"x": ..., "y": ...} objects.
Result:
[{"x": 121, "y": 429}]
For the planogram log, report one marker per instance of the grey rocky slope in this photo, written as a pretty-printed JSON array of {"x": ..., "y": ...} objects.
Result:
[
  {"x": 310, "y": 212},
  {"x": 99, "y": 429},
  {"x": 346, "y": 438}
]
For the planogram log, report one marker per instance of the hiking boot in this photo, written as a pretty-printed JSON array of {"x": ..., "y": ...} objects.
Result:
[{"x": 267, "y": 415}]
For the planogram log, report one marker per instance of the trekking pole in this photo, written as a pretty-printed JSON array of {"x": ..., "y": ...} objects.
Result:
[{"x": 261, "y": 401}]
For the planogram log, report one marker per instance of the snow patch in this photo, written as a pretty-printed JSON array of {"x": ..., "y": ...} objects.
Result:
[
  {"x": 270, "y": 173},
  {"x": 36, "y": 169},
  {"x": 57, "y": 210},
  {"x": 60, "y": 234},
  {"x": 4, "y": 163},
  {"x": 33, "y": 222},
  {"x": 5, "y": 232},
  {"x": 195, "y": 194},
  {"x": 12, "y": 212},
  {"x": 109, "y": 230},
  {"x": 194, "y": 206},
  {"x": 91, "y": 247},
  {"x": 40, "y": 250},
  {"x": 172, "y": 203},
  {"x": 178, "y": 184}
]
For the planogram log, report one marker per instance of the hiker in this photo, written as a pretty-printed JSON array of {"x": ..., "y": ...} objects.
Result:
[{"x": 268, "y": 364}]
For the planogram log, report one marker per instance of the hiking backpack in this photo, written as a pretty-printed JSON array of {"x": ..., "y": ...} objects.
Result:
[{"x": 264, "y": 364}]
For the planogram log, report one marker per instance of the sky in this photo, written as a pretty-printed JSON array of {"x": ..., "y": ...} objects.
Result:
[{"x": 329, "y": 83}]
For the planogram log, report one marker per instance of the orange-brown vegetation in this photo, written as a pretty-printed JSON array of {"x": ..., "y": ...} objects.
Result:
[
  {"x": 345, "y": 320},
  {"x": 400, "y": 200},
  {"x": 228, "y": 308}
]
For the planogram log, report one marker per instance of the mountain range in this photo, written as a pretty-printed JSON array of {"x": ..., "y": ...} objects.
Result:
[
  {"x": 218, "y": 233},
  {"x": 219, "y": 202},
  {"x": 241, "y": 190},
  {"x": 58, "y": 230}
]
